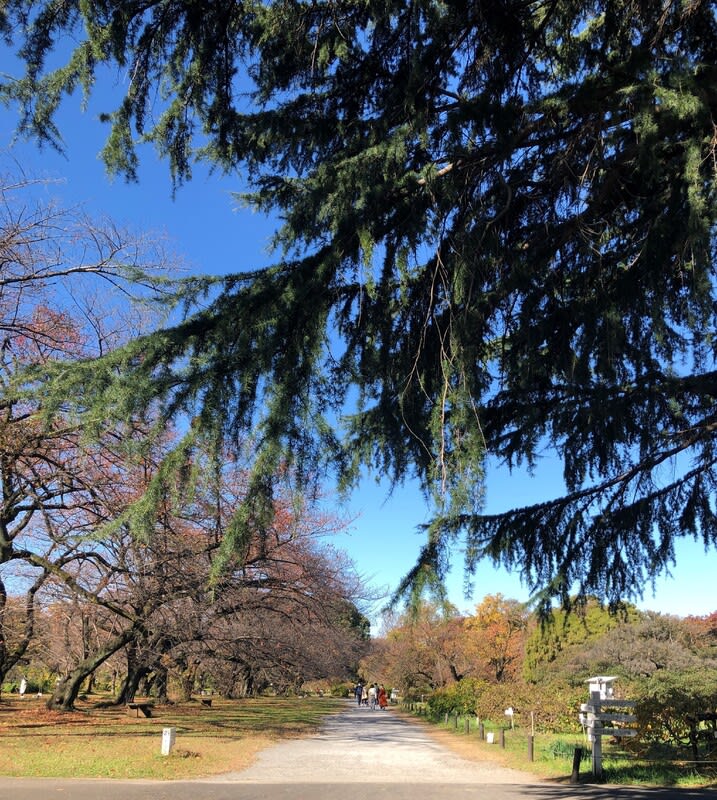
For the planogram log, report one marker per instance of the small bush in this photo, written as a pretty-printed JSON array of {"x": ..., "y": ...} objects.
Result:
[
  {"x": 341, "y": 689},
  {"x": 458, "y": 698}
]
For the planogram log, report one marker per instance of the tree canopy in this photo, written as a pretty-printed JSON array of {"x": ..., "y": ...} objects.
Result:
[{"x": 497, "y": 237}]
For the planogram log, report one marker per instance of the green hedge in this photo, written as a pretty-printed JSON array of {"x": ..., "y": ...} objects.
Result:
[{"x": 554, "y": 709}]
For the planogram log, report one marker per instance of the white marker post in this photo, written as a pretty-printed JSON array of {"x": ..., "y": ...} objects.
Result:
[{"x": 168, "y": 737}]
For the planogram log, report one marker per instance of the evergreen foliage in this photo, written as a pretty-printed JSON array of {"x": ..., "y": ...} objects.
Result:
[
  {"x": 498, "y": 236},
  {"x": 552, "y": 647}
]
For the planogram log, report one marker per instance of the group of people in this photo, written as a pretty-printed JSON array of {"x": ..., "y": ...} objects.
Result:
[{"x": 371, "y": 696}]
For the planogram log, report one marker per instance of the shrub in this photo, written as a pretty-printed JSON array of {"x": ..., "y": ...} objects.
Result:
[
  {"x": 342, "y": 689},
  {"x": 670, "y": 705},
  {"x": 554, "y": 708},
  {"x": 458, "y": 698}
]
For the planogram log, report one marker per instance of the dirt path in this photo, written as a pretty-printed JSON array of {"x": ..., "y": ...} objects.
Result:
[{"x": 363, "y": 746}]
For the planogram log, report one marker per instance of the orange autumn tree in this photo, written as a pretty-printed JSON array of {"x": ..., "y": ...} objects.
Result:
[{"x": 496, "y": 637}]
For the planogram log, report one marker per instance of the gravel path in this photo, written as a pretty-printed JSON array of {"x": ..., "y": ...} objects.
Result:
[{"x": 363, "y": 746}]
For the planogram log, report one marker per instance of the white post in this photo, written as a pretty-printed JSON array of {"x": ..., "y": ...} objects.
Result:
[
  {"x": 596, "y": 735},
  {"x": 168, "y": 737}
]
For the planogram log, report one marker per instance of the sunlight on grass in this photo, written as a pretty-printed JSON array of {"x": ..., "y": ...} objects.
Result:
[{"x": 109, "y": 743}]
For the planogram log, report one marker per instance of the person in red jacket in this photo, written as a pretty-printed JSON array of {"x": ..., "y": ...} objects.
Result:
[{"x": 382, "y": 697}]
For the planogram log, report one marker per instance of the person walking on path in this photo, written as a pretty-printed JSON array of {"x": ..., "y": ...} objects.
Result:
[
  {"x": 358, "y": 691},
  {"x": 382, "y": 698},
  {"x": 372, "y": 696}
]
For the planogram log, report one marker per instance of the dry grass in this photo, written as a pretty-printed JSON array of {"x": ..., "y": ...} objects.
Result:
[{"x": 110, "y": 743}]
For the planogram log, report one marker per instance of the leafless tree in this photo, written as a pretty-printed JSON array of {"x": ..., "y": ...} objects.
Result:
[{"x": 51, "y": 478}]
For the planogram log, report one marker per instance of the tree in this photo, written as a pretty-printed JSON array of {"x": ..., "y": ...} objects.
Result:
[
  {"x": 286, "y": 612},
  {"x": 282, "y": 613},
  {"x": 422, "y": 650},
  {"x": 647, "y": 646},
  {"x": 51, "y": 480},
  {"x": 675, "y": 706},
  {"x": 498, "y": 237},
  {"x": 703, "y": 631},
  {"x": 552, "y": 648},
  {"x": 497, "y": 634}
]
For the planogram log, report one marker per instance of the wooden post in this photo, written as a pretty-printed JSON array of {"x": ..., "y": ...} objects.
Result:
[
  {"x": 531, "y": 748},
  {"x": 481, "y": 731},
  {"x": 597, "y": 757},
  {"x": 468, "y": 725},
  {"x": 502, "y": 738},
  {"x": 577, "y": 758},
  {"x": 593, "y": 717}
]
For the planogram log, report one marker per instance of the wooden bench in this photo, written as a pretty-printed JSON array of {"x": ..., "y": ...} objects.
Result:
[{"x": 144, "y": 708}]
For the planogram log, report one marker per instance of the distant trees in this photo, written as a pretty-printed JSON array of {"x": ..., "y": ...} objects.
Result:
[
  {"x": 551, "y": 645},
  {"x": 509, "y": 657},
  {"x": 651, "y": 644},
  {"x": 432, "y": 647},
  {"x": 423, "y": 650}
]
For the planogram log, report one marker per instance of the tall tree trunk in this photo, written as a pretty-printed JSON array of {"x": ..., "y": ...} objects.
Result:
[
  {"x": 186, "y": 687},
  {"x": 135, "y": 675},
  {"x": 10, "y": 657},
  {"x": 187, "y": 678},
  {"x": 87, "y": 649},
  {"x": 66, "y": 691},
  {"x": 137, "y": 670},
  {"x": 243, "y": 682},
  {"x": 161, "y": 681}
]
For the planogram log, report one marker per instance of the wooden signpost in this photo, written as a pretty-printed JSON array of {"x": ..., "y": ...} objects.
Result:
[{"x": 599, "y": 711}]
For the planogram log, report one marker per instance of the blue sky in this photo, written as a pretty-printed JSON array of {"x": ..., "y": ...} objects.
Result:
[{"x": 204, "y": 225}]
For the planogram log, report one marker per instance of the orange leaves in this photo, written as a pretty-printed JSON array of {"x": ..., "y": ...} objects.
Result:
[{"x": 497, "y": 636}]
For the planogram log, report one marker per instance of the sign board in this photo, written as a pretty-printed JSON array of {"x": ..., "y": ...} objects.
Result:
[
  {"x": 614, "y": 717},
  {"x": 598, "y": 711}
]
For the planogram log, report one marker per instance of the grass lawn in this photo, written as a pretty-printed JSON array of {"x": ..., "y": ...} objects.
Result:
[{"x": 95, "y": 742}]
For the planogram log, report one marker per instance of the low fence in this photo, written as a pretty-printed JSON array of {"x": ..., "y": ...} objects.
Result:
[{"x": 576, "y": 754}]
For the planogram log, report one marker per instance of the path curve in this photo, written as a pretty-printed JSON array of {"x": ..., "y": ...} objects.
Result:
[{"x": 362, "y": 746}]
